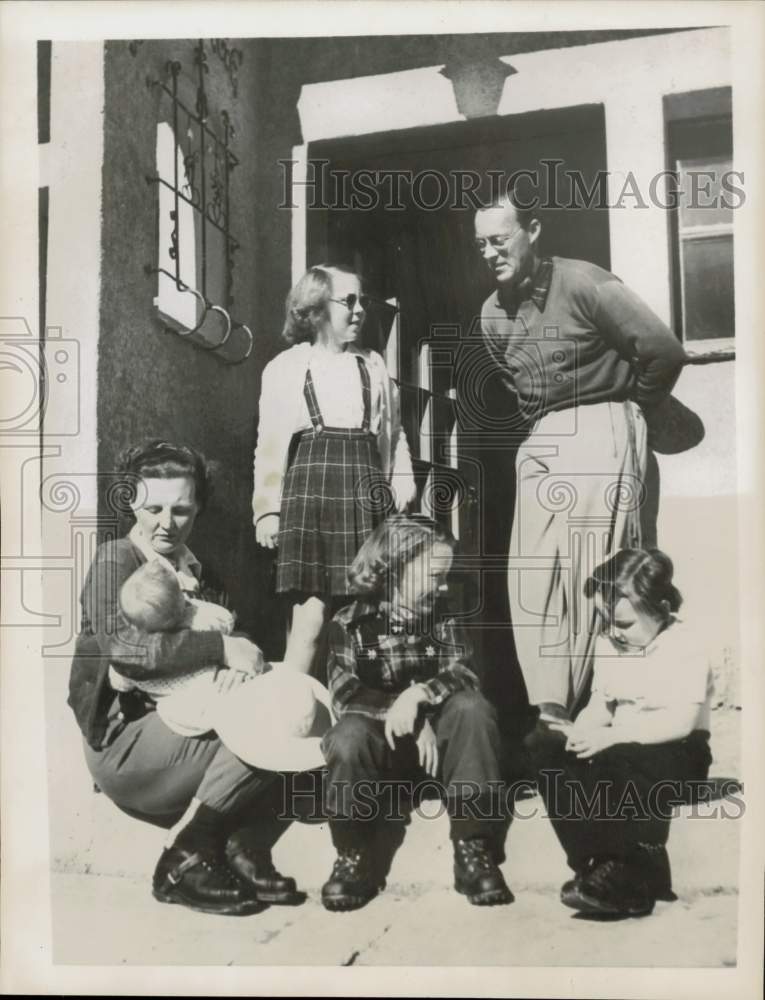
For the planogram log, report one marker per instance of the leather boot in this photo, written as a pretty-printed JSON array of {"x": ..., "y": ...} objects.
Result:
[
  {"x": 608, "y": 887},
  {"x": 201, "y": 881},
  {"x": 476, "y": 874},
  {"x": 254, "y": 868},
  {"x": 570, "y": 888},
  {"x": 653, "y": 861},
  {"x": 354, "y": 880}
]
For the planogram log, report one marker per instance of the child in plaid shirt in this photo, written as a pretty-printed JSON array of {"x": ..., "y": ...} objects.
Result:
[{"x": 408, "y": 704}]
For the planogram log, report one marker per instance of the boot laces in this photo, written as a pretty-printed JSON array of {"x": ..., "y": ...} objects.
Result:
[
  {"x": 474, "y": 855},
  {"x": 602, "y": 876},
  {"x": 217, "y": 868},
  {"x": 347, "y": 864}
]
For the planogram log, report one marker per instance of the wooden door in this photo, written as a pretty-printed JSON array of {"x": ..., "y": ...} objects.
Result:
[{"x": 423, "y": 262}]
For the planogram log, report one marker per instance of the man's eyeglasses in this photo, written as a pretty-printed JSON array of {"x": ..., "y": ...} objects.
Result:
[
  {"x": 350, "y": 301},
  {"x": 497, "y": 242}
]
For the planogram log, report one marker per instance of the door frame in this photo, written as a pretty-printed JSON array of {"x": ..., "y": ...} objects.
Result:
[{"x": 450, "y": 135}]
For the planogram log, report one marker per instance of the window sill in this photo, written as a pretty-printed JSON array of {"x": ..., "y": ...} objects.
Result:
[{"x": 702, "y": 352}]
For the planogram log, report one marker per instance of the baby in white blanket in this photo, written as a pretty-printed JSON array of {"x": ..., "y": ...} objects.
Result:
[{"x": 152, "y": 599}]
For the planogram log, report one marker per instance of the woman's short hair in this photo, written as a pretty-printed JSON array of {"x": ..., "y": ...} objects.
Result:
[
  {"x": 395, "y": 542},
  {"x": 159, "y": 459},
  {"x": 306, "y": 307},
  {"x": 644, "y": 576}
]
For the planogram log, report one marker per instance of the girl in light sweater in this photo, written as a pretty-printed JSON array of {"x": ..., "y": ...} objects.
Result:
[{"x": 332, "y": 458}]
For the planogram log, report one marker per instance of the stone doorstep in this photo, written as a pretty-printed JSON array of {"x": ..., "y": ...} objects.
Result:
[
  {"x": 116, "y": 919},
  {"x": 704, "y": 847}
]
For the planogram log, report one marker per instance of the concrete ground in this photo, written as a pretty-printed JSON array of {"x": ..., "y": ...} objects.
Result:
[{"x": 102, "y": 905}]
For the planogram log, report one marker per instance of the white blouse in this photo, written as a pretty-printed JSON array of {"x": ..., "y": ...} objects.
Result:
[
  {"x": 337, "y": 383},
  {"x": 672, "y": 670},
  {"x": 283, "y": 412}
]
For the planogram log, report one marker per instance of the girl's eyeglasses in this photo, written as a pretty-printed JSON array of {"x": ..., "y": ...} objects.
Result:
[{"x": 350, "y": 301}]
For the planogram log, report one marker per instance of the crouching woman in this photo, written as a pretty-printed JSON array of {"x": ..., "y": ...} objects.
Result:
[{"x": 223, "y": 815}]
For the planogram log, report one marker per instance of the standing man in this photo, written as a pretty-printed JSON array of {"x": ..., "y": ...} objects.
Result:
[{"x": 584, "y": 357}]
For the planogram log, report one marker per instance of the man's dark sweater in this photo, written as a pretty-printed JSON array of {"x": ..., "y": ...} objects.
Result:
[{"x": 579, "y": 336}]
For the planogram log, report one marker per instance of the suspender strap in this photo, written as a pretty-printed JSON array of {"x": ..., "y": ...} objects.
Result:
[
  {"x": 312, "y": 402},
  {"x": 309, "y": 391},
  {"x": 366, "y": 393}
]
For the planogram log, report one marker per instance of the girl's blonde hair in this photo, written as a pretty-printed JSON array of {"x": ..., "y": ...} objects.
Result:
[
  {"x": 306, "y": 307},
  {"x": 381, "y": 560}
]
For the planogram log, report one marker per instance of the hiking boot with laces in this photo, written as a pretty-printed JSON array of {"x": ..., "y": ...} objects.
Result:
[
  {"x": 476, "y": 874},
  {"x": 201, "y": 881},
  {"x": 353, "y": 882},
  {"x": 608, "y": 887}
]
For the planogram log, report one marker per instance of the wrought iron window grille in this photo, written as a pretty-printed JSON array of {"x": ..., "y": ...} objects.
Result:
[{"x": 198, "y": 187}]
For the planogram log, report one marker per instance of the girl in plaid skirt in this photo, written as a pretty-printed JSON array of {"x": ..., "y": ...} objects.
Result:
[{"x": 332, "y": 458}]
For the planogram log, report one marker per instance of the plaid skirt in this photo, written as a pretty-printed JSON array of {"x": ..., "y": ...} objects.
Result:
[{"x": 334, "y": 496}]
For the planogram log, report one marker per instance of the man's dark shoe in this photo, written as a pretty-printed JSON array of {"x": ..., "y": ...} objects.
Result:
[
  {"x": 476, "y": 874},
  {"x": 608, "y": 887},
  {"x": 255, "y": 868},
  {"x": 201, "y": 881},
  {"x": 354, "y": 880},
  {"x": 652, "y": 861}
]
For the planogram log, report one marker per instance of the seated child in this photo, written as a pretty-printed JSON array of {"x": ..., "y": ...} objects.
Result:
[
  {"x": 273, "y": 720},
  {"x": 409, "y": 706},
  {"x": 644, "y": 732}
]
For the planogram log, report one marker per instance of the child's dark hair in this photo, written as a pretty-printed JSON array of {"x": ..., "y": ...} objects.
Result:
[
  {"x": 380, "y": 562},
  {"x": 644, "y": 576}
]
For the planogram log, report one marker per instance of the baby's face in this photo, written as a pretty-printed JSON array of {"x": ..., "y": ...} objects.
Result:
[{"x": 628, "y": 626}]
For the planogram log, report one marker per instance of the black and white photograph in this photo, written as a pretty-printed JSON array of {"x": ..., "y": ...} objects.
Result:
[{"x": 382, "y": 549}]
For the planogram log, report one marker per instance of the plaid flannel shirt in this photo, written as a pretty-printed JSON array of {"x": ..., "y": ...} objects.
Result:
[{"x": 374, "y": 656}]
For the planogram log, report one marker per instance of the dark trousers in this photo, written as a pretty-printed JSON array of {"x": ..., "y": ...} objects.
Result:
[
  {"x": 365, "y": 777},
  {"x": 609, "y": 804},
  {"x": 152, "y": 774}
]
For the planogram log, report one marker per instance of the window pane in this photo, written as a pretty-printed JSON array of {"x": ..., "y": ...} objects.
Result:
[
  {"x": 701, "y": 199},
  {"x": 707, "y": 287}
]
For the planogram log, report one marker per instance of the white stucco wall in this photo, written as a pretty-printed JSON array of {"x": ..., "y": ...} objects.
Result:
[
  {"x": 71, "y": 164},
  {"x": 650, "y": 68},
  {"x": 698, "y": 517}
]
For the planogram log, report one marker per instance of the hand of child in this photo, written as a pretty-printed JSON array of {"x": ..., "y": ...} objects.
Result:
[
  {"x": 228, "y": 680},
  {"x": 241, "y": 655},
  {"x": 427, "y": 749},
  {"x": 402, "y": 714},
  {"x": 267, "y": 531},
  {"x": 586, "y": 743}
]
